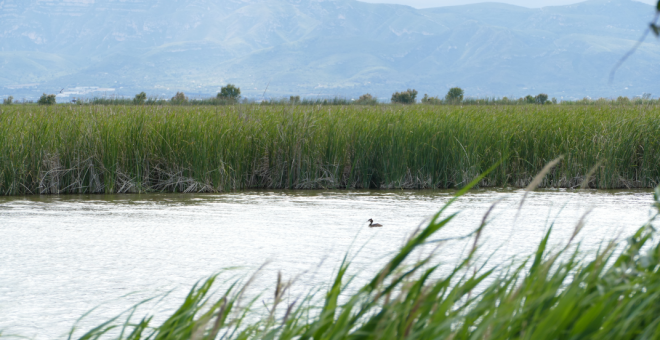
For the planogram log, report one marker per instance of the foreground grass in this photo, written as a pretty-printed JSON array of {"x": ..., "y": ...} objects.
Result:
[
  {"x": 115, "y": 149},
  {"x": 551, "y": 295}
]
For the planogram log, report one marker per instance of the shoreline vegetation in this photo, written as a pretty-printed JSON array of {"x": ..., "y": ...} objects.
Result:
[
  {"x": 58, "y": 149},
  {"x": 556, "y": 293},
  {"x": 363, "y": 100},
  {"x": 231, "y": 95}
]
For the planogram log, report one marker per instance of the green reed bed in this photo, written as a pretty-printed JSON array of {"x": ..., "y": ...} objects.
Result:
[
  {"x": 115, "y": 149},
  {"x": 560, "y": 294}
]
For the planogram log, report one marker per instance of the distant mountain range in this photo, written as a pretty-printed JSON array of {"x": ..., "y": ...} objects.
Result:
[{"x": 322, "y": 48}]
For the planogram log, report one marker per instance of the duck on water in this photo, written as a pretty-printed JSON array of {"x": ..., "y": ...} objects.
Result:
[{"x": 373, "y": 225}]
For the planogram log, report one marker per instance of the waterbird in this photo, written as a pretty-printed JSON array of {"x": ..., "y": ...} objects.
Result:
[{"x": 373, "y": 225}]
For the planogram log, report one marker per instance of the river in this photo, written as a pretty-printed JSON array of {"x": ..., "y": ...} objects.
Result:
[{"x": 61, "y": 256}]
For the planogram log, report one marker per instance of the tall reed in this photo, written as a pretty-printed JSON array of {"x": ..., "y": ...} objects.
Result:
[{"x": 115, "y": 149}]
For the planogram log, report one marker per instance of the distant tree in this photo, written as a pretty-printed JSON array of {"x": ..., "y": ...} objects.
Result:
[
  {"x": 603, "y": 101},
  {"x": 8, "y": 101},
  {"x": 455, "y": 95},
  {"x": 554, "y": 100},
  {"x": 541, "y": 98},
  {"x": 431, "y": 100},
  {"x": 529, "y": 99},
  {"x": 179, "y": 98},
  {"x": 623, "y": 100},
  {"x": 294, "y": 99},
  {"x": 47, "y": 99},
  {"x": 406, "y": 97},
  {"x": 140, "y": 98},
  {"x": 366, "y": 99},
  {"x": 229, "y": 92}
]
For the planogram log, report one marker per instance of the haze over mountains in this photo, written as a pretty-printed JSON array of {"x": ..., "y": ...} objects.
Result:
[{"x": 323, "y": 48}]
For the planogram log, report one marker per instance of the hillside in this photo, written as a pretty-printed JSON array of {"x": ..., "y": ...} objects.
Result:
[{"x": 326, "y": 48}]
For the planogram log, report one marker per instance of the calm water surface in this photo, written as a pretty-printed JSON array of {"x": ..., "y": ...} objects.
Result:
[{"x": 61, "y": 256}]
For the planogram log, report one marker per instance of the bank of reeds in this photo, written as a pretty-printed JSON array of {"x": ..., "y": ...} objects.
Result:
[
  {"x": 154, "y": 101},
  {"x": 554, "y": 294},
  {"x": 366, "y": 99},
  {"x": 296, "y": 100},
  {"x": 530, "y": 100},
  {"x": 118, "y": 149}
]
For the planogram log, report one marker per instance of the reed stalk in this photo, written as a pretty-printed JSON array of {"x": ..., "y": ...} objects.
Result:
[{"x": 119, "y": 149}]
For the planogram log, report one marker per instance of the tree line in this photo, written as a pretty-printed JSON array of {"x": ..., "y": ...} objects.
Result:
[{"x": 231, "y": 94}]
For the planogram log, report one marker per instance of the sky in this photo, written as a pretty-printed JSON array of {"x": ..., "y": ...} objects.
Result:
[{"x": 525, "y": 3}]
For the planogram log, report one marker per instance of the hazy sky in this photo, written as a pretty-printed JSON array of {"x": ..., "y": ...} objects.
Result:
[{"x": 525, "y": 3}]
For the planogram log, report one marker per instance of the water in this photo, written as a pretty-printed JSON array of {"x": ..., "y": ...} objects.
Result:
[{"x": 61, "y": 256}]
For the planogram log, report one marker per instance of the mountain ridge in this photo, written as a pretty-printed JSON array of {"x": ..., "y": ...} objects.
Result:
[{"x": 323, "y": 48}]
